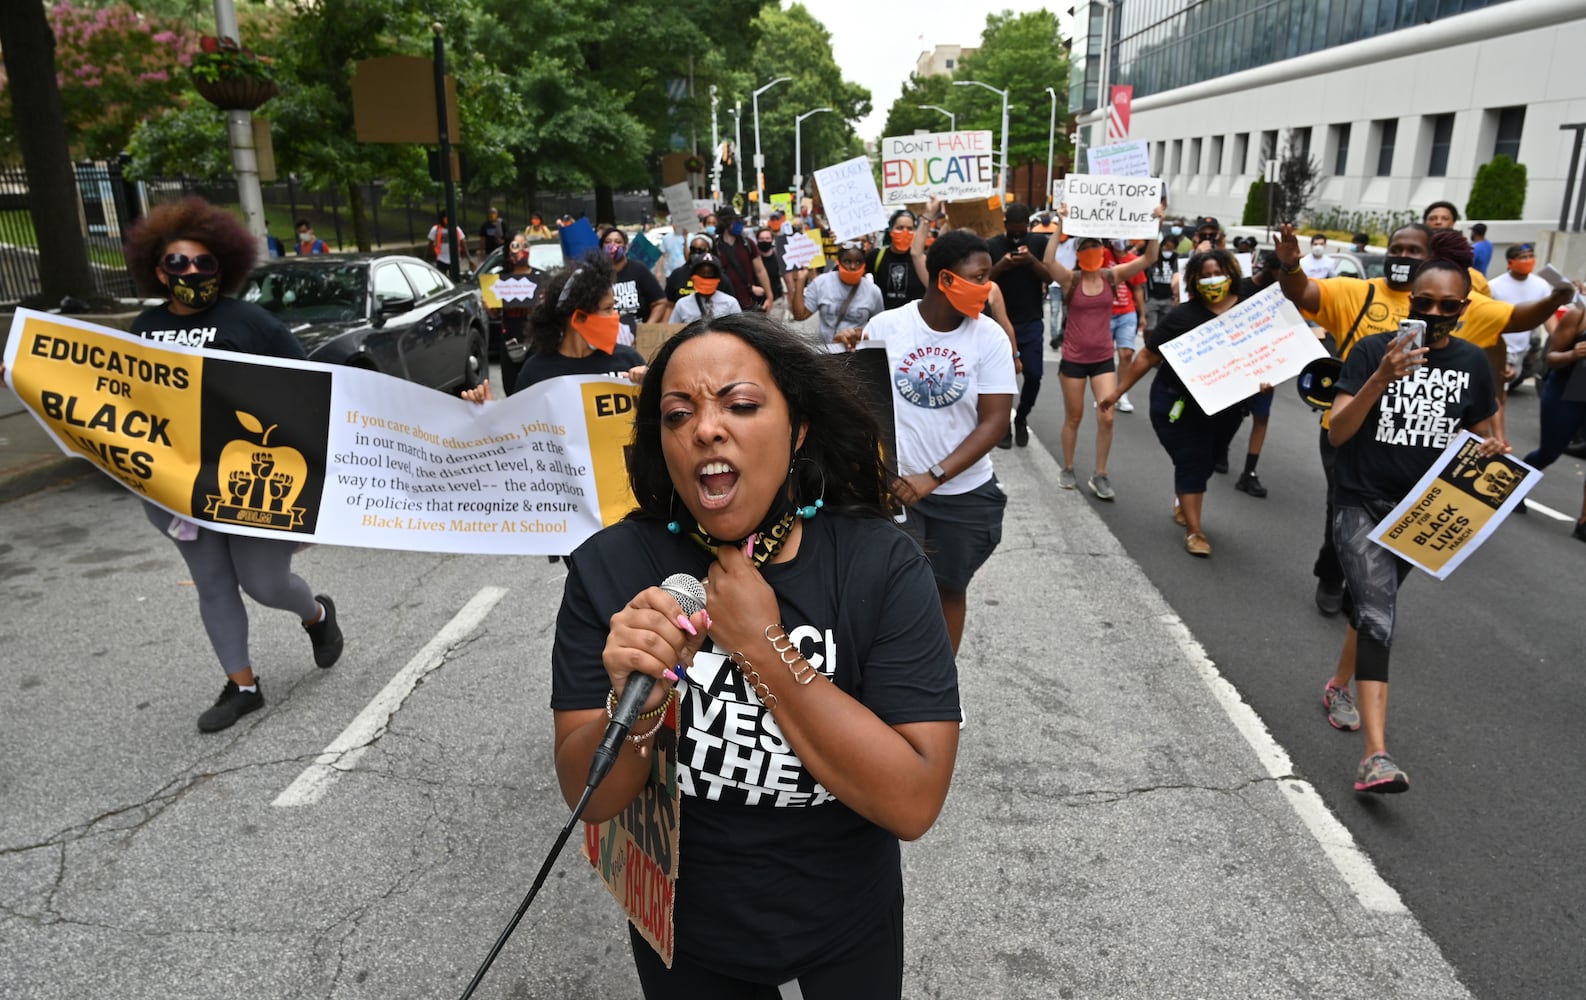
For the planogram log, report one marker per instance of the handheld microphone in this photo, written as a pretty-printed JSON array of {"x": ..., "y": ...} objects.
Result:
[{"x": 690, "y": 596}]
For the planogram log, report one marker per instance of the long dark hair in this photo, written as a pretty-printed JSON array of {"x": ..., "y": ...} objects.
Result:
[
  {"x": 842, "y": 446},
  {"x": 570, "y": 289},
  {"x": 191, "y": 218},
  {"x": 1197, "y": 264}
]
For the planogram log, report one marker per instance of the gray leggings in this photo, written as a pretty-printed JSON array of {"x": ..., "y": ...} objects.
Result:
[{"x": 220, "y": 564}]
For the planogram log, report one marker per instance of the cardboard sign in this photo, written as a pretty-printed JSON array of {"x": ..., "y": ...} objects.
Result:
[
  {"x": 1455, "y": 507},
  {"x": 642, "y": 250},
  {"x": 782, "y": 202},
  {"x": 947, "y": 165},
  {"x": 649, "y": 337},
  {"x": 848, "y": 192},
  {"x": 1119, "y": 208},
  {"x": 800, "y": 251},
  {"x": 679, "y": 204},
  {"x": 1224, "y": 360},
  {"x": 1121, "y": 159},
  {"x": 983, "y": 216}
]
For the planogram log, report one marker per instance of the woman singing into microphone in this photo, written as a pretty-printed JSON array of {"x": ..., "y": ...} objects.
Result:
[{"x": 818, "y": 718}]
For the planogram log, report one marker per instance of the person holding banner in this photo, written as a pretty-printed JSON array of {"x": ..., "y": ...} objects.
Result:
[
  {"x": 815, "y": 697},
  {"x": 1397, "y": 407},
  {"x": 953, "y": 380},
  {"x": 189, "y": 252},
  {"x": 1089, "y": 347},
  {"x": 1192, "y": 438}
]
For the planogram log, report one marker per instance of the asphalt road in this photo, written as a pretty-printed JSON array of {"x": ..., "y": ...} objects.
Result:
[{"x": 1488, "y": 692}]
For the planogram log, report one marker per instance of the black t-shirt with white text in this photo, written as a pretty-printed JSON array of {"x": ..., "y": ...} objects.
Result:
[
  {"x": 228, "y": 325},
  {"x": 894, "y": 275},
  {"x": 636, "y": 291},
  {"x": 538, "y": 367},
  {"x": 1159, "y": 276},
  {"x": 776, "y": 874},
  {"x": 1414, "y": 420},
  {"x": 1023, "y": 287}
]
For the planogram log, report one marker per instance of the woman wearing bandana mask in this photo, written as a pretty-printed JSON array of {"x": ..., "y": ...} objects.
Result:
[
  {"x": 574, "y": 329},
  {"x": 190, "y": 252},
  {"x": 1353, "y": 308},
  {"x": 954, "y": 383},
  {"x": 1380, "y": 459},
  {"x": 1192, "y": 438}
]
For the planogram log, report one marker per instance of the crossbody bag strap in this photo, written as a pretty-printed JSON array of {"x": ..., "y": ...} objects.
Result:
[{"x": 1349, "y": 338}]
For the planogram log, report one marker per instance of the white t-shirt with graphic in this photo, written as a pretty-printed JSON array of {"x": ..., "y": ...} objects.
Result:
[
  {"x": 1518, "y": 291},
  {"x": 937, "y": 381}
]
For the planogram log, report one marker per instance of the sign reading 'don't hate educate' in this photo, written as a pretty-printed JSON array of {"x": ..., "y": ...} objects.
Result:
[
  {"x": 952, "y": 166},
  {"x": 326, "y": 453},
  {"x": 1119, "y": 208},
  {"x": 1455, "y": 507},
  {"x": 1225, "y": 360},
  {"x": 848, "y": 192}
]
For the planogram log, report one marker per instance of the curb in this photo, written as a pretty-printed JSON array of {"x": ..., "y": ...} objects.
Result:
[{"x": 41, "y": 474}]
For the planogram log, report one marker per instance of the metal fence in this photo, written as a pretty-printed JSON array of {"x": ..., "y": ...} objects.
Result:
[{"x": 108, "y": 204}]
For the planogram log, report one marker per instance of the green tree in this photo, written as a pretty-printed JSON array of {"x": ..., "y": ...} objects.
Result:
[
  {"x": 906, "y": 116},
  {"x": 1022, "y": 54},
  {"x": 1498, "y": 191}
]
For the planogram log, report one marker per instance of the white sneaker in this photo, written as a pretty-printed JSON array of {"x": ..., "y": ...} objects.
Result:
[{"x": 1124, "y": 406}]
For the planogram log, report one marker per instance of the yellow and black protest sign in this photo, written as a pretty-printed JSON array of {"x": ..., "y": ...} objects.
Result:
[{"x": 1455, "y": 506}]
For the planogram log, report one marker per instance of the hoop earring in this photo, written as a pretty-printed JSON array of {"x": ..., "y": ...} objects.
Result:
[
  {"x": 673, "y": 526},
  {"x": 810, "y": 510}
]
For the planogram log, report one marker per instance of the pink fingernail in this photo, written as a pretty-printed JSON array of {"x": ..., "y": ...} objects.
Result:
[
  {"x": 686, "y": 625},
  {"x": 706, "y": 615},
  {"x": 748, "y": 546}
]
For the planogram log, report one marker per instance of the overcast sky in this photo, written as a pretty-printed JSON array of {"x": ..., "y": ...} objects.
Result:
[{"x": 876, "y": 43}]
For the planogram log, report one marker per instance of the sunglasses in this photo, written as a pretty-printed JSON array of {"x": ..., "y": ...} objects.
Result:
[
  {"x": 180, "y": 263},
  {"x": 1443, "y": 307}
]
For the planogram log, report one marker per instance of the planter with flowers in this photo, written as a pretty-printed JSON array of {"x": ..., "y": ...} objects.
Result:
[{"x": 231, "y": 77}]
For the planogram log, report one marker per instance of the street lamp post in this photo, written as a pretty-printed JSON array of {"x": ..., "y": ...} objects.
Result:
[
  {"x": 715, "y": 150},
  {"x": 1051, "y": 140},
  {"x": 798, "y": 150},
  {"x": 737, "y": 143},
  {"x": 759, "y": 160},
  {"x": 1004, "y": 96},
  {"x": 952, "y": 119}
]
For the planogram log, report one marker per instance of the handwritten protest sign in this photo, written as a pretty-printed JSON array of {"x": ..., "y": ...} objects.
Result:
[
  {"x": 782, "y": 202},
  {"x": 1455, "y": 507},
  {"x": 519, "y": 289},
  {"x": 1122, "y": 159},
  {"x": 327, "y": 453},
  {"x": 679, "y": 205},
  {"x": 947, "y": 165},
  {"x": 848, "y": 192},
  {"x": 1057, "y": 192},
  {"x": 1225, "y": 359},
  {"x": 1112, "y": 207},
  {"x": 800, "y": 251}
]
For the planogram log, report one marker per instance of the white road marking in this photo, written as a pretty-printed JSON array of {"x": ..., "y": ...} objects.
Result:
[
  {"x": 370, "y": 724},
  {"x": 1335, "y": 839},
  {"x": 1547, "y": 511}
]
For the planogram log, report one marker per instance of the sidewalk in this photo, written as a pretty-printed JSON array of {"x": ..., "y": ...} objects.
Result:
[{"x": 29, "y": 459}]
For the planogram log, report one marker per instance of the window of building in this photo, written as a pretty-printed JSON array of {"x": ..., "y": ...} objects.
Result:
[
  {"x": 1387, "y": 138},
  {"x": 1241, "y": 151},
  {"x": 948, "y": 63},
  {"x": 1215, "y": 167},
  {"x": 1300, "y": 143},
  {"x": 1511, "y": 122},
  {"x": 1340, "y": 149},
  {"x": 1442, "y": 138},
  {"x": 1269, "y": 146},
  {"x": 1194, "y": 164},
  {"x": 1176, "y": 160},
  {"x": 1158, "y": 151}
]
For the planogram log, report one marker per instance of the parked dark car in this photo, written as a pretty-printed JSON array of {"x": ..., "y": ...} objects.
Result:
[
  {"x": 1348, "y": 264},
  {"x": 396, "y": 315}
]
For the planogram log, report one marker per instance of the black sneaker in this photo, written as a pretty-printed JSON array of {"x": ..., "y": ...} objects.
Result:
[
  {"x": 1329, "y": 597},
  {"x": 1249, "y": 483},
  {"x": 1007, "y": 440},
  {"x": 232, "y": 705},
  {"x": 1580, "y": 531},
  {"x": 325, "y": 634},
  {"x": 1021, "y": 433}
]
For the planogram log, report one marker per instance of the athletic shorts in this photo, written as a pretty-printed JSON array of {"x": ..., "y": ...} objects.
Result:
[
  {"x": 1075, "y": 369},
  {"x": 958, "y": 532}
]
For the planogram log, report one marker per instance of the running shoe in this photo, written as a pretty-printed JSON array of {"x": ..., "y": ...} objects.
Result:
[
  {"x": 1066, "y": 479},
  {"x": 232, "y": 705},
  {"x": 1341, "y": 710},
  {"x": 325, "y": 634},
  {"x": 1249, "y": 483},
  {"x": 1102, "y": 487},
  {"x": 1380, "y": 775},
  {"x": 1124, "y": 406}
]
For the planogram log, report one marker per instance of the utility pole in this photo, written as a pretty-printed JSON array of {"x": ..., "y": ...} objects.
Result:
[
  {"x": 759, "y": 160},
  {"x": 239, "y": 130},
  {"x": 715, "y": 152},
  {"x": 737, "y": 142}
]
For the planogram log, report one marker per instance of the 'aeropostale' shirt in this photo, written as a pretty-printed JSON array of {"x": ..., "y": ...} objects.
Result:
[
  {"x": 937, "y": 381},
  {"x": 1414, "y": 420}
]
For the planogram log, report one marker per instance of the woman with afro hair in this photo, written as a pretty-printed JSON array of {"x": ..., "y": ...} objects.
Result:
[{"x": 188, "y": 253}]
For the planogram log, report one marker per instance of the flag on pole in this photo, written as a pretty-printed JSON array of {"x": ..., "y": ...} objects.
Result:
[{"x": 1118, "y": 112}]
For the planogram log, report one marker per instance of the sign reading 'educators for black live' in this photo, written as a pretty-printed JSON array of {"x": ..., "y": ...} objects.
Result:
[{"x": 321, "y": 453}]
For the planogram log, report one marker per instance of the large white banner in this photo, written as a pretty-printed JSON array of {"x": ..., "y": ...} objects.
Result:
[
  {"x": 953, "y": 166},
  {"x": 848, "y": 193},
  {"x": 1116, "y": 208},
  {"x": 327, "y": 453},
  {"x": 1226, "y": 359}
]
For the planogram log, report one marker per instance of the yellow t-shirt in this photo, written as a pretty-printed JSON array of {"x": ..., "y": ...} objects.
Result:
[
  {"x": 1478, "y": 283},
  {"x": 1342, "y": 299}
]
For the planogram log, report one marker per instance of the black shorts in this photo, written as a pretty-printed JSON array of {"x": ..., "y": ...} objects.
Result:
[
  {"x": 958, "y": 532},
  {"x": 1073, "y": 369}
]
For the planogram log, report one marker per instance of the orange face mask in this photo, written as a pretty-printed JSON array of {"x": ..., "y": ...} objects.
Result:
[
  {"x": 599, "y": 331},
  {"x": 1091, "y": 259},
  {"x": 775, "y": 225},
  {"x": 902, "y": 239},
  {"x": 851, "y": 276},
  {"x": 963, "y": 294},
  {"x": 706, "y": 286},
  {"x": 1522, "y": 266}
]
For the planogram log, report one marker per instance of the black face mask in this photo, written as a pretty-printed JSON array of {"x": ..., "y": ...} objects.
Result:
[
  {"x": 194, "y": 290},
  {"x": 1399, "y": 270},
  {"x": 1438, "y": 326},
  {"x": 767, "y": 247}
]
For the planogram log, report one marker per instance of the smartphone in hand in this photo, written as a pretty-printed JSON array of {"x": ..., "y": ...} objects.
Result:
[
  {"x": 1412, "y": 334},
  {"x": 1551, "y": 275}
]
